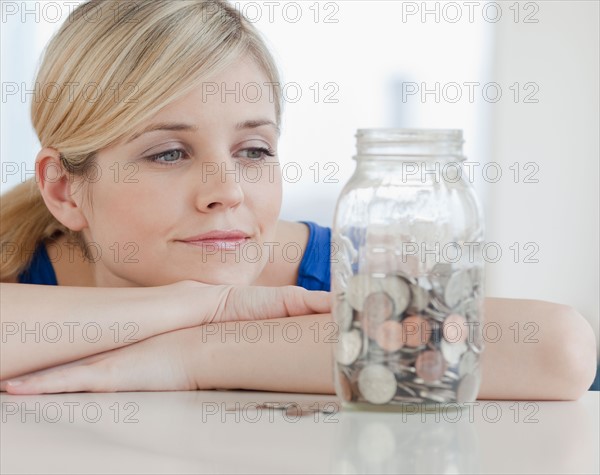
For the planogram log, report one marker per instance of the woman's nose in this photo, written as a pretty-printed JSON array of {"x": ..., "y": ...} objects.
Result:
[{"x": 220, "y": 185}]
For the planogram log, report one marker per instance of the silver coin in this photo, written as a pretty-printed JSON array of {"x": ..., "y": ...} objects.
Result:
[
  {"x": 442, "y": 270},
  {"x": 453, "y": 351},
  {"x": 377, "y": 384},
  {"x": 420, "y": 298},
  {"x": 348, "y": 347},
  {"x": 407, "y": 389},
  {"x": 470, "y": 308},
  {"x": 468, "y": 363},
  {"x": 458, "y": 287},
  {"x": 468, "y": 388},
  {"x": 475, "y": 341},
  {"x": 437, "y": 396},
  {"x": 451, "y": 375},
  {"x": 399, "y": 290},
  {"x": 359, "y": 287},
  {"x": 344, "y": 314},
  {"x": 439, "y": 306}
]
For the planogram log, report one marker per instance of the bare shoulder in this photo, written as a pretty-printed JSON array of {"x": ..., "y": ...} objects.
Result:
[{"x": 291, "y": 237}]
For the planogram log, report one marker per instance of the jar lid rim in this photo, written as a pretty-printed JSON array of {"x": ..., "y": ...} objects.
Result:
[{"x": 408, "y": 134}]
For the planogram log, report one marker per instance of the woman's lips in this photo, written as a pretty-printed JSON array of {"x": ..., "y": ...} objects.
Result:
[
  {"x": 213, "y": 243},
  {"x": 218, "y": 239}
]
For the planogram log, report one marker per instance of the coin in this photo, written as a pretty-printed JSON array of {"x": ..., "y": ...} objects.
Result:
[
  {"x": 417, "y": 331},
  {"x": 420, "y": 298},
  {"x": 455, "y": 328},
  {"x": 378, "y": 307},
  {"x": 430, "y": 365},
  {"x": 468, "y": 388},
  {"x": 468, "y": 363},
  {"x": 377, "y": 384},
  {"x": 390, "y": 336},
  {"x": 359, "y": 287},
  {"x": 399, "y": 290},
  {"x": 453, "y": 351},
  {"x": 458, "y": 287},
  {"x": 348, "y": 347},
  {"x": 344, "y": 314},
  {"x": 442, "y": 270}
]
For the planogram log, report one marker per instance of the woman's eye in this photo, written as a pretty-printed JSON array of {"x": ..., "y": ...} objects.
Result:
[
  {"x": 257, "y": 153},
  {"x": 168, "y": 157}
]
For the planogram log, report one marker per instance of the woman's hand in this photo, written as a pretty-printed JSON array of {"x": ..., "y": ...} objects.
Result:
[
  {"x": 224, "y": 303},
  {"x": 122, "y": 316},
  {"x": 286, "y": 355},
  {"x": 160, "y": 363}
]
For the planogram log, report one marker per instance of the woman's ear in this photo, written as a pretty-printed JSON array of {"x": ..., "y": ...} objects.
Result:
[{"x": 56, "y": 187}]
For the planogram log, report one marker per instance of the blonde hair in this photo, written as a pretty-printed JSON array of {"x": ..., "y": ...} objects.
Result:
[{"x": 141, "y": 56}]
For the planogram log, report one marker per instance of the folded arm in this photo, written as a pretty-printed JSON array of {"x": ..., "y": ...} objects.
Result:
[
  {"x": 44, "y": 326},
  {"x": 295, "y": 354}
]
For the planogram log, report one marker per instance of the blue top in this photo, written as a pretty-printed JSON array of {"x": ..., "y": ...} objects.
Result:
[
  {"x": 313, "y": 273},
  {"x": 40, "y": 271}
]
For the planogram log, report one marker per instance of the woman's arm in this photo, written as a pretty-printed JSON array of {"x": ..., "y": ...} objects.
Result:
[
  {"x": 545, "y": 351},
  {"x": 295, "y": 355},
  {"x": 44, "y": 326},
  {"x": 560, "y": 365}
]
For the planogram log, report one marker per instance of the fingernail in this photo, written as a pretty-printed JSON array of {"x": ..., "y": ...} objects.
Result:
[{"x": 14, "y": 382}]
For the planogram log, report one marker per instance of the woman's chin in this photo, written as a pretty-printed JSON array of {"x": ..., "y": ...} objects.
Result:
[{"x": 226, "y": 275}]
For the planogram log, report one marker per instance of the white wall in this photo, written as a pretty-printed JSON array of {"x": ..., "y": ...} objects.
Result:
[{"x": 560, "y": 134}]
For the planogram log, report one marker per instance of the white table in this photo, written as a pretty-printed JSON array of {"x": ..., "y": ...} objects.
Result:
[{"x": 227, "y": 432}]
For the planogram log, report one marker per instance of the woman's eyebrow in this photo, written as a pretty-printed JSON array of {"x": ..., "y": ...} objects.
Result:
[
  {"x": 252, "y": 124},
  {"x": 247, "y": 124},
  {"x": 163, "y": 126}
]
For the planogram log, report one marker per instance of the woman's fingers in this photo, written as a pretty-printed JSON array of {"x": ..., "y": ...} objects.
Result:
[
  {"x": 64, "y": 380},
  {"x": 258, "y": 303}
]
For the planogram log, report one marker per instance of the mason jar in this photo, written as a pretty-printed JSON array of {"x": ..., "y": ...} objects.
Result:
[{"x": 407, "y": 273}]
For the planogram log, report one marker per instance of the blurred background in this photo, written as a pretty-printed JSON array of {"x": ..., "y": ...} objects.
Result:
[{"x": 520, "y": 78}]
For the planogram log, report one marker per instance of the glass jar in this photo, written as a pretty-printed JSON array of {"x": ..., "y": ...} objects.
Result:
[{"x": 407, "y": 273}]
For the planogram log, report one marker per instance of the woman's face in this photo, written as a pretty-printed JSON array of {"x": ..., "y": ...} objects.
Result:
[{"x": 208, "y": 165}]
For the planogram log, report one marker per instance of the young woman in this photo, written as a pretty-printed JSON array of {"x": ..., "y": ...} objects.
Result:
[{"x": 162, "y": 258}]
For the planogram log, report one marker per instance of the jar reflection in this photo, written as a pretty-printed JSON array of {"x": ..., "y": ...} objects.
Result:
[{"x": 406, "y": 443}]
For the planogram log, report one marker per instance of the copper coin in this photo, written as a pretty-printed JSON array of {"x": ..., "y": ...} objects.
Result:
[
  {"x": 430, "y": 366},
  {"x": 378, "y": 307},
  {"x": 390, "y": 335},
  {"x": 455, "y": 328},
  {"x": 417, "y": 331},
  {"x": 359, "y": 287}
]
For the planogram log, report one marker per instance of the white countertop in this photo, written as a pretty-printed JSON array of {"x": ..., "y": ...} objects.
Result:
[{"x": 202, "y": 432}]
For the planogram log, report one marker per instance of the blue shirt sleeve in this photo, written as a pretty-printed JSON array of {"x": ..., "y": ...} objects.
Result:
[
  {"x": 314, "y": 271},
  {"x": 40, "y": 271}
]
